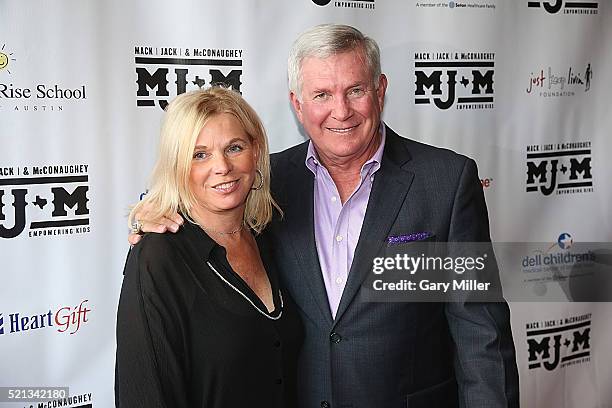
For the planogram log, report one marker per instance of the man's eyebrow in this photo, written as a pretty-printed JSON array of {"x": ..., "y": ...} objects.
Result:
[
  {"x": 353, "y": 85},
  {"x": 356, "y": 84},
  {"x": 319, "y": 90}
]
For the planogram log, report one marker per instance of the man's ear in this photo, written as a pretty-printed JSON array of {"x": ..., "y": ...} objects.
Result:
[
  {"x": 297, "y": 106},
  {"x": 382, "y": 89}
]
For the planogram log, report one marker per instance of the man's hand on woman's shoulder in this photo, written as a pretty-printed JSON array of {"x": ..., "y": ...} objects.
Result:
[{"x": 166, "y": 224}]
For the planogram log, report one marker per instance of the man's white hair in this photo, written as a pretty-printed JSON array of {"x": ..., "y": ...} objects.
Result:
[{"x": 325, "y": 40}]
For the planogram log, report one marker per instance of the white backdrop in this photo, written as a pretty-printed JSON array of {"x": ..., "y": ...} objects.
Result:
[{"x": 81, "y": 83}]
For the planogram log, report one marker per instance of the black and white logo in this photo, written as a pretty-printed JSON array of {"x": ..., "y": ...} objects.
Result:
[
  {"x": 353, "y": 4},
  {"x": 559, "y": 343},
  {"x": 451, "y": 79},
  {"x": 165, "y": 72},
  {"x": 565, "y": 7},
  {"x": 564, "y": 168},
  {"x": 47, "y": 200}
]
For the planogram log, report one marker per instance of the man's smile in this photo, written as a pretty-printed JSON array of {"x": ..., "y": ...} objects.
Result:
[{"x": 342, "y": 130}]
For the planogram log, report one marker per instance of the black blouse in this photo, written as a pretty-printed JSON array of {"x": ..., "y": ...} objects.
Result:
[{"x": 191, "y": 332}]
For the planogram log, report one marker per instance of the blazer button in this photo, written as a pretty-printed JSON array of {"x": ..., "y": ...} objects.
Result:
[
  {"x": 325, "y": 404},
  {"x": 277, "y": 343},
  {"x": 335, "y": 338}
]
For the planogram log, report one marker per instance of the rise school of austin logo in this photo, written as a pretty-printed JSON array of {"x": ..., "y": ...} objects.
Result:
[
  {"x": 564, "y": 168},
  {"x": 446, "y": 79},
  {"x": 20, "y": 96},
  {"x": 159, "y": 68},
  {"x": 567, "y": 7},
  {"x": 559, "y": 343},
  {"x": 5, "y": 59},
  {"x": 47, "y": 200}
]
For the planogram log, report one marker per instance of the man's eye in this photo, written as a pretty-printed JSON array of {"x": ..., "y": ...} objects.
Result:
[
  {"x": 320, "y": 96},
  {"x": 357, "y": 92}
]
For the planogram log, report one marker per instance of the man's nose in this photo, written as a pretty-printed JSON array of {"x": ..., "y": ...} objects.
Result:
[{"x": 341, "y": 109}]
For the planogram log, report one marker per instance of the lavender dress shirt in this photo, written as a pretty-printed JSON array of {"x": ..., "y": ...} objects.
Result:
[{"x": 337, "y": 226}]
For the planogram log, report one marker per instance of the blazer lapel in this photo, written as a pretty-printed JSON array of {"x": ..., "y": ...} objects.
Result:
[
  {"x": 299, "y": 222},
  {"x": 391, "y": 185}
]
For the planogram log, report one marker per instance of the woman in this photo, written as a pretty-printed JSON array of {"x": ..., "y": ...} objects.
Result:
[{"x": 202, "y": 321}]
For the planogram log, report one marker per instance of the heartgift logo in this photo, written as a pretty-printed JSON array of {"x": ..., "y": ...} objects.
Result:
[{"x": 66, "y": 319}]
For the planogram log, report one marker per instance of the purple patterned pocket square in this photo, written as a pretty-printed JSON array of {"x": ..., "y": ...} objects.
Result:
[{"x": 401, "y": 239}]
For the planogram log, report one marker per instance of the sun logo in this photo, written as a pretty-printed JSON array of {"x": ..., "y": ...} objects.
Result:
[{"x": 5, "y": 59}]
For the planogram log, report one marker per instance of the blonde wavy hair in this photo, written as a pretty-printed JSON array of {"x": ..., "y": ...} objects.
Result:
[{"x": 185, "y": 117}]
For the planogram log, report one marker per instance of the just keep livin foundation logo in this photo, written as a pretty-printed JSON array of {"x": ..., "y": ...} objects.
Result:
[{"x": 6, "y": 58}]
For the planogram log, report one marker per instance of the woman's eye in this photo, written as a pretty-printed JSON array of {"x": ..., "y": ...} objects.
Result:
[
  {"x": 235, "y": 148},
  {"x": 199, "y": 155}
]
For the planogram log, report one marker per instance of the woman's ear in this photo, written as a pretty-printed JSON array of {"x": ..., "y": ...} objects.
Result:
[{"x": 256, "y": 151}]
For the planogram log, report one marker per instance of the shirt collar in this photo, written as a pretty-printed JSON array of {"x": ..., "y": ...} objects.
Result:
[
  {"x": 312, "y": 158},
  {"x": 201, "y": 240}
]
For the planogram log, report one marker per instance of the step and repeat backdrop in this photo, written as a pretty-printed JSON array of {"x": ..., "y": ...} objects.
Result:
[{"x": 521, "y": 86}]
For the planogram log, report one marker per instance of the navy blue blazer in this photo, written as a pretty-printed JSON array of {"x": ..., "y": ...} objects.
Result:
[{"x": 399, "y": 354}]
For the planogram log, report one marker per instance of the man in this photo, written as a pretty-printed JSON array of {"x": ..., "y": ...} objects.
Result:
[{"x": 344, "y": 192}]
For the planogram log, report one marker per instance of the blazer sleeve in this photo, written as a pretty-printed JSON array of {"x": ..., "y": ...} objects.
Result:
[
  {"x": 485, "y": 362},
  {"x": 151, "y": 362}
]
